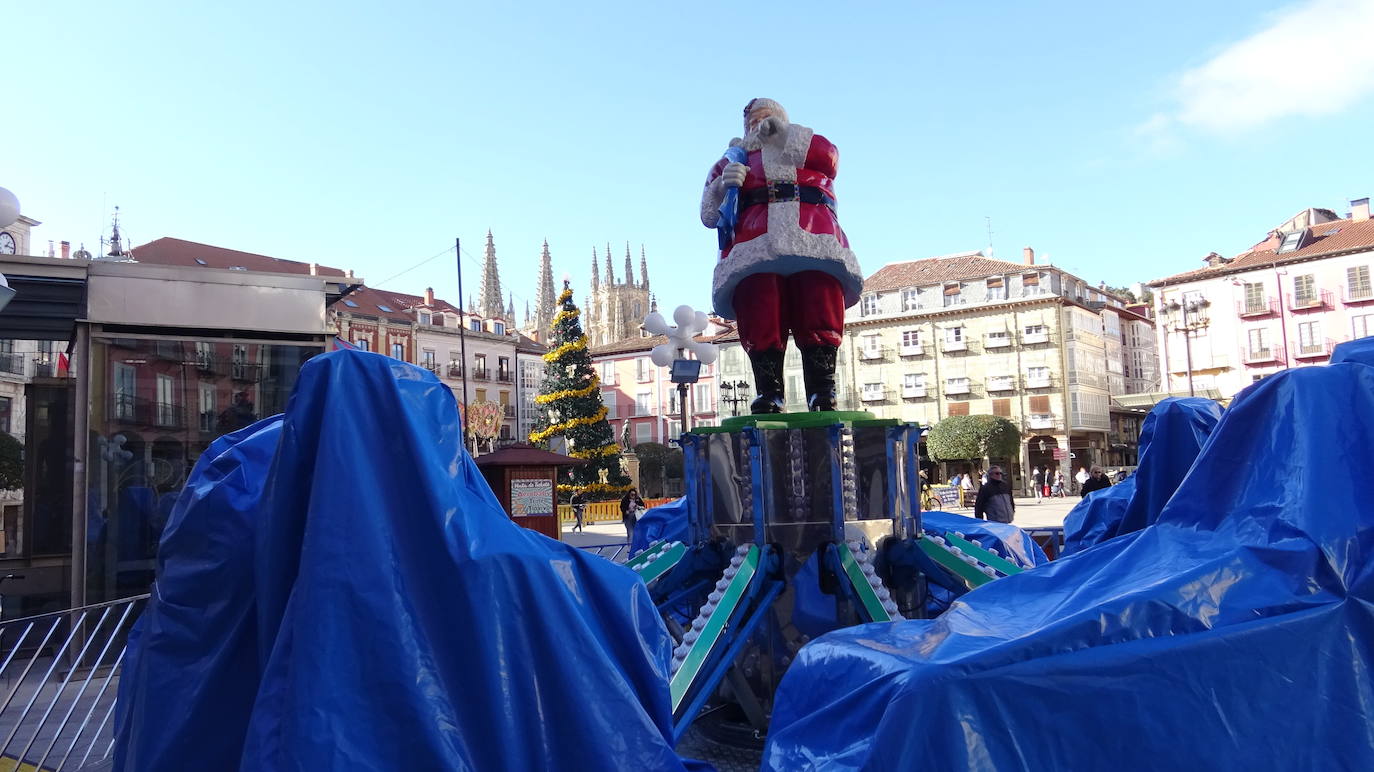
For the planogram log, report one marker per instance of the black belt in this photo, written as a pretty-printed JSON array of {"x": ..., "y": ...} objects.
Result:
[{"x": 785, "y": 191}]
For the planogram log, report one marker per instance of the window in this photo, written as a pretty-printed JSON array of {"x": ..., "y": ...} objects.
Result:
[
  {"x": 479, "y": 395},
  {"x": 5, "y": 407},
  {"x": 240, "y": 362},
  {"x": 505, "y": 431},
  {"x": 1254, "y": 298},
  {"x": 673, "y": 407},
  {"x": 998, "y": 339},
  {"x": 1310, "y": 338},
  {"x": 205, "y": 355},
  {"x": 363, "y": 344},
  {"x": 644, "y": 403},
  {"x": 425, "y": 317},
  {"x": 503, "y": 369},
  {"x": 498, "y": 327},
  {"x": 1304, "y": 290},
  {"x": 954, "y": 295},
  {"x": 1357, "y": 286},
  {"x": 868, "y": 305},
  {"x": 1001, "y": 383},
  {"x": 1257, "y": 343},
  {"x": 475, "y": 325},
  {"x": 386, "y": 308},
  {"x": 909, "y": 302},
  {"x": 1030, "y": 284},
  {"x": 997, "y": 289},
  {"x": 638, "y": 312},
  {"x": 1037, "y": 377},
  {"x": 1292, "y": 242},
  {"x": 479, "y": 367},
  {"x": 1036, "y": 333},
  {"x": 643, "y": 369},
  {"x": 398, "y": 351},
  {"x": 872, "y": 348},
  {"x": 1001, "y": 407},
  {"x": 911, "y": 340},
  {"x": 166, "y": 401},
  {"x": 956, "y": 385},
  {"x": 1362, "y": 326},
  {"x": 207, "y": 407},
  {"x": 427, "y": 358},
  {"x": 914, "y": 385},
  {"x": 644, "y": 432},
  {"x": 954, "y": 334},
  {"x": 872, "y": 392},
  {"x": 674, "y": 430},
  {"x": 350, "y": 303},
  {"x": 704, "y": 402},
  {"x": 608, "y": 373},
  {"x": 1040, "y": 405},
  {"x": 608, "y": 398},
  {"x": 957, "y": 408}
]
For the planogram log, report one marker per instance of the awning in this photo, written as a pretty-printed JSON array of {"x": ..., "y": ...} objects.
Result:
[{"x": 1146, "y": 401}]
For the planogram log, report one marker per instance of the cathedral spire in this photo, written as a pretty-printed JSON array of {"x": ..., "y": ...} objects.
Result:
[
  {"x": 610, "y": 272},
  {"x": 490, "y": 292},
  {"x": 544, "y": 298},
  {"x": 629, "y": 267},
  {"x": 643, "y": 269},
  {"x": 596, "y": 271},
  {"x": 510, "y": 307}
]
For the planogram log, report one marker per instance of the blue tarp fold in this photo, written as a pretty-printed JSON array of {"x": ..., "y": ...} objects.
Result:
[
  {"x": 1170, "y": 439},
  {"x": 665, "y": 521},
  {"x": 1237, "y": 632},
  {"x": 383, "y": 612}
]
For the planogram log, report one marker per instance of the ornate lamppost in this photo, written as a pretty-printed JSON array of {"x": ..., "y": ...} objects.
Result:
[
  {"x": 734, "y": 395},
  {"x": 1187, "y": 317}
]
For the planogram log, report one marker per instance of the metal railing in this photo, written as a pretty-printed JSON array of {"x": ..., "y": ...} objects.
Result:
[{"x": 60, "y": 673}]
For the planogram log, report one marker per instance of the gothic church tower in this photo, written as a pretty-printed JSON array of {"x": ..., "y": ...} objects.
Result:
[
  {"x": 491, "y": 304},
  {"x": 616, "y": 309}
]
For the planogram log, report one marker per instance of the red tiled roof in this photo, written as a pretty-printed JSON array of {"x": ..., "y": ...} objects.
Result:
[
  {"x": 170, "y": 251},
  {"x": 1326, "y": 238},
  {"x": 935, "y": 270}
]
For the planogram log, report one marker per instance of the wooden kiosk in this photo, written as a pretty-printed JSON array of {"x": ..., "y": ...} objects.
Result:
[{"x": 525, "y": 480}]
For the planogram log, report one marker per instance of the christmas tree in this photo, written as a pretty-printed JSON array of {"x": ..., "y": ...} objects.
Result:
[{"x": 570, "y": 407}]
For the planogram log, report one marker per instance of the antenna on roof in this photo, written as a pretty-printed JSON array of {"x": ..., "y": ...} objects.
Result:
[{"x": 989, "y": 219}]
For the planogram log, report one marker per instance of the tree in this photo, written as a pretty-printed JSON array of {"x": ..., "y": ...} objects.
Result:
[
  {"x": 974, "y": 436},
  {"x": 11, "y": 462},
  {"x": 571, "y": 407}
]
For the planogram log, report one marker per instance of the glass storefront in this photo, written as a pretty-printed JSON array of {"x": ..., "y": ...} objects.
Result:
[{"x": 155, "y": 405}]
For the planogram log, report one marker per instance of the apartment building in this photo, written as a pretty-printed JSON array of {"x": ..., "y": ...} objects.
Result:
[
  {"x": 736, "y": 383},
  {"x": 1285, "y": 302},
  {"x": 966, "y": 334},
  {"x": 639, "y": 393}
]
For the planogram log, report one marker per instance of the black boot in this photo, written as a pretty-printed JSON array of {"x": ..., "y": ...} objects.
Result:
[
  {"x": 767, "y": 381},
  {"x": 818, "y": 372}
]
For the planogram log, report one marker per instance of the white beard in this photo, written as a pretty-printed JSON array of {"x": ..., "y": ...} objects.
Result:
[{"x": 771, "y": 130}]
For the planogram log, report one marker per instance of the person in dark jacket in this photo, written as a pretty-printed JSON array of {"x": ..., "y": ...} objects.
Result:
[
  {"x": 995, "y": 501},
  {"x": 630, "y": 506},
  {"x": 1096, "y": 481}
]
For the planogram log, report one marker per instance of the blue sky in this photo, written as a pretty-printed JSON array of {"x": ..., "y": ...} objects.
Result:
[{"x": 1125, "y": 142}]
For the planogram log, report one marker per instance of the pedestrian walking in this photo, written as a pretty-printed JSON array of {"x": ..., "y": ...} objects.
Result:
[
  {"x": 579, "y": 508},
  {"x": 1096, "y": 481},
  {"x": 1081, "y": 477},
  {"x": 1057, "y": 489},
  {"x": 965, "y": 489},
  {"x": 630, "y": 507},
  {"x": 1038, "y": 482},
  {"x": 995, "y": 501}
]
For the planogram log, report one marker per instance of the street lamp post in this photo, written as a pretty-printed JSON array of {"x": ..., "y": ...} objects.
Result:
[
  {"x": 738, "y": 394},
  {"x": 1188, "y": 317}
]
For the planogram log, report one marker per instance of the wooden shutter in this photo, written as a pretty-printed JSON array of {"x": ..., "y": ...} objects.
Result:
[
  {"x": 952, "y": 289},
  {"x": 1001, "y": 407},
  {"x": 958, "y": 408},
  {"x": 1040, "y": 405}
]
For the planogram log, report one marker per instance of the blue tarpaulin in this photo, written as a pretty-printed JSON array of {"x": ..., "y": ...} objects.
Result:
[
  {"x": 1234, "y": 633},
  {"x": 1004, "y": 539},
  {"x": 376, "y": 609},
  {"x": 665, "y": 521},
  {"x": 1170, "y": 439}
]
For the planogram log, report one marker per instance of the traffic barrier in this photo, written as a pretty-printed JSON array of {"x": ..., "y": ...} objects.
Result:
[{"x": 602, "y": 511}]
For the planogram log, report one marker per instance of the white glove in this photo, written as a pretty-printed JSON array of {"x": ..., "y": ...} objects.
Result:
[{"x": 733, "y": 175}]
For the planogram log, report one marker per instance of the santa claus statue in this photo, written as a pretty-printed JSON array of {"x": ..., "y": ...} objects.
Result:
[{"x": 785, "y": 264}]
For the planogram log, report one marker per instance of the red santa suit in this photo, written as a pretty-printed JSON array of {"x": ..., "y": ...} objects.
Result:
[{"x": 789, "y": 267}]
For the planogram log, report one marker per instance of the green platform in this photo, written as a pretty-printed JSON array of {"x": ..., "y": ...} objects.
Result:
[{"x": 806, "y": 420}]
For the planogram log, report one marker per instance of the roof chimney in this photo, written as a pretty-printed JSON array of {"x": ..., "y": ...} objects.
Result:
[
  {"x": 1028, "y": 255},
  {"x": 429, "y": 296},
  {"x": 314, "y": 269},
  {"x": 66, "y": 250},
  {"x": 1359, "y": 209},
  {"x": 350, "y": 273}
]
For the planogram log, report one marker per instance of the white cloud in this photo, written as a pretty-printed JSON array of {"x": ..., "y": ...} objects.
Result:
[{"x": 1315, "y": 58}]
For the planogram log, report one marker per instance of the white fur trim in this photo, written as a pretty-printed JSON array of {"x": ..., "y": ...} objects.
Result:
[{"x": 785, "y": 250}]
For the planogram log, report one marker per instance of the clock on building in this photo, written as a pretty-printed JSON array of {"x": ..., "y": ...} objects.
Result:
[{"x": 6, "y": 243}]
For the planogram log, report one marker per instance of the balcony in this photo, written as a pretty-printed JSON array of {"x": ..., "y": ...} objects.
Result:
[
  {"x": 912, "y": 350},
  {"x": 953, "y": 388},
  {"x": 1262, "y": 356},
  {"x": 481, "y": 374},
  {"x": 1031, "y": 338},
  {"x": 129, "y": 409},
  {"x": 1038, "y": 381},
  {"x": 997, "y": 341},
  {"x": 872, "y": 352},
  {"x": 1358, "y": 294},
  {"x": 913, "y": 392},
  {"x": 1314, "y": 350},
  {"x": 1002, "y": 383},
  {"x": 455, "y": 370},
  {"x": 1255, "y": 309},
  {"x": 241, "y": 371},
  {"x": 873, "y": 395},
  {"x": 1317, "y": 300},
  {"x": 503, "y": 376},
  {"x": 1041, "y": 422},
  {"x": 509, "y": 410},
  {"x": 954, "y": 345}
]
